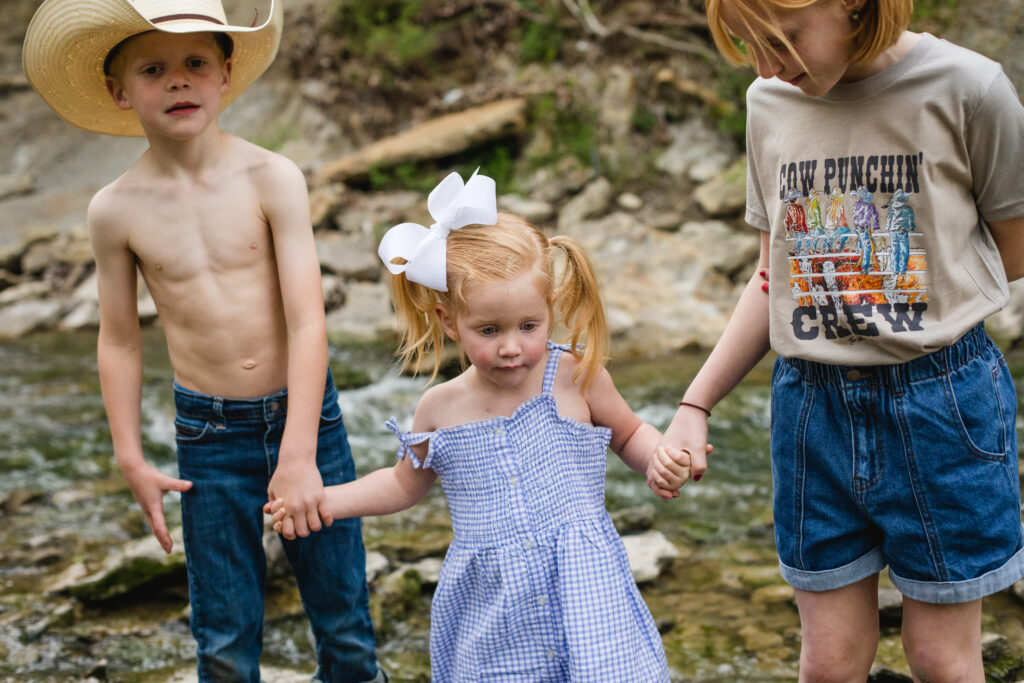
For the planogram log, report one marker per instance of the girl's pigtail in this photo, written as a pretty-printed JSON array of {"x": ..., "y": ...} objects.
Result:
[
  {"x": 420, "y": 328},
  {"x": 577, "y": 304}
]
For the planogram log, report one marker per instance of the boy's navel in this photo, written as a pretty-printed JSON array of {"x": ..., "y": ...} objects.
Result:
[
  {"x": 248, "y": 364},
  {"x": 253, "y": 246},
  {"x": 159, "y": 266}
]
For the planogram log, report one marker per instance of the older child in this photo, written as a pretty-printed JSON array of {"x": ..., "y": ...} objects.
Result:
[
  {"x": 536, "y": 585},
  {"x": 220, "y": 230},
  {"x": 893, "y": 432}
]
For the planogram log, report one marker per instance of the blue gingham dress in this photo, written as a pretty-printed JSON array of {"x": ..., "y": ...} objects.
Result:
[{"x": 535, "y": 585}]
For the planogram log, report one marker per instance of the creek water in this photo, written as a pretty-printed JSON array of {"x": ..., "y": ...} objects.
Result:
[{"x": 723, "y": 609}]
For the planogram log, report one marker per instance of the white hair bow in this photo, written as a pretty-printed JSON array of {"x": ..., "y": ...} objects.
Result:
[{"x": 452, "y": 205}]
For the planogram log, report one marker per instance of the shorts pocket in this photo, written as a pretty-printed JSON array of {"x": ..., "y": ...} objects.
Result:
[{"x": 982, "y": 406}]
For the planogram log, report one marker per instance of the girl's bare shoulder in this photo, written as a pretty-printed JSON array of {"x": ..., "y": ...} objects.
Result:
[{"x": 438, "y": 404}]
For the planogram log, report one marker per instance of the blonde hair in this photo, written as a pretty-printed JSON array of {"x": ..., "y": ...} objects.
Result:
[
  {"x": 880, "y": 24},
  {"x": 506, "y": 250}
]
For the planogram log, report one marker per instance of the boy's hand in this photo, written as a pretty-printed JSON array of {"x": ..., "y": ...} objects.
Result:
[
  {"x": 668, "y": 470},
  {"x": 302, "y": 488},
  {"x": 148, "y": 486}
]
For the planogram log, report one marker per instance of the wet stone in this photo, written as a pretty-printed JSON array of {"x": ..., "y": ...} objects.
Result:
[
  {"x": 755, "y": 639},
  {"x": 17, "y": 500},
  {"x": 773, "y": 595},
  {"x": 634, "y": 519},
  {"x": 890, "y": 607},
  {"x": 884, "y": 674}
]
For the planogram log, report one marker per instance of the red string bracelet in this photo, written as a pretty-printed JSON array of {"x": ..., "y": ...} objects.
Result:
[{"x": 694, "y": 405}]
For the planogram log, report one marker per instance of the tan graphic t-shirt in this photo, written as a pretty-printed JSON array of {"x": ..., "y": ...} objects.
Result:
[{"x": 876, "y": 197}]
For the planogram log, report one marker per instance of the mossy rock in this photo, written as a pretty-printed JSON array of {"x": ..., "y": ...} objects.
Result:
[{"x": 129, "y": 577}]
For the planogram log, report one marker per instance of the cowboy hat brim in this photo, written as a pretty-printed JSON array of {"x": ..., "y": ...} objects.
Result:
[{"x": 67, "y": 42}]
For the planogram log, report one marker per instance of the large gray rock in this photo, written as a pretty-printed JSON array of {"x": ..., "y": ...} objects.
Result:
[
  {"x": 595, "y": 198},
  {"x": 349, "y": 255},
  {"x": 649, "y": 553},
  {"x": 29, "y": 315},
  {"x": 533, "y": 210},
  {"x": 663, "y": 291},
  {"x": 725, "y": 194},
  {"x": 139, "y": 564},
  {"x": 696, "y": 152},
  {"x": 366, "y": 314},
  {"x": 426, "y": 571}
]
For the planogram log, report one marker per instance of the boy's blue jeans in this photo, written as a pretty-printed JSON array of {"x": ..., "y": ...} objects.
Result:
[{"x": 229, "y": 448}]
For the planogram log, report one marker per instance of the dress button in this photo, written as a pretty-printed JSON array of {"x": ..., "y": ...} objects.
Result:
[
  {"x": 550, "y": 653},
  {"x": 513, "y": 481},
  {"x": 528, "y": 544},
  {"x": 542, "y": 600},
  {"x": 853, "y": 375},
  {"x": 498, "y": 431},
  {"x": 274, "y": 405}
]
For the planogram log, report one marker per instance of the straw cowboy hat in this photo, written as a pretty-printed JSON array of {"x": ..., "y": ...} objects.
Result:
[{"x": 68, "y": 40}]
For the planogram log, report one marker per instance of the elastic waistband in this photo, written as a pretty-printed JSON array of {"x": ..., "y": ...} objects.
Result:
[
  {"x": 972, "y": 344},
  {"x": 201, "y": 406}
]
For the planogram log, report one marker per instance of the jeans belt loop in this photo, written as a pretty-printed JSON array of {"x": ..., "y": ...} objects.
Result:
[{"x": 218, "y": 411}]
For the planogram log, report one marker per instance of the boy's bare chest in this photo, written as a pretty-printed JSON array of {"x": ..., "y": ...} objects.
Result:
[{"x": 187, "y": 241}]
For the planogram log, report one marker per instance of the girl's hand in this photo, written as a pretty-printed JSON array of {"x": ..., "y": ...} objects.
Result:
[
  {"x": 689, "y": 431},
  {"x": 283, "y": 522},
  {"x": 668, "y": 470}
]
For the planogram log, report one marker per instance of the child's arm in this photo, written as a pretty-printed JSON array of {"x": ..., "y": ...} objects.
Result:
[
  {"x": 634, "y": 440},
  {"x": 285, "y": 203},
  {"x": 119, "y": 357},
  {"x": 1009, "y": 238},
  {"x": 743, "y": 343},
  {"x": 381, "y": 492}
]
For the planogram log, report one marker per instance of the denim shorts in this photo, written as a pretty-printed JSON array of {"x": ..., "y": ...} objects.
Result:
[{"x": 912, "y": 465}]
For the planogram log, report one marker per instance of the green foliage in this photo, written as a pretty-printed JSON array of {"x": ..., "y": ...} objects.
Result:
[
  {"x": 571, "y": 127},
  {"x": 540, "y": 41},
  {"x": 496, "y": 159},
  {"x": 731, "y": 84},
  {"x": 387, "y": 31},
  {"x": 349, "y": 377},
  {"x": 930, "y": 10},
  {"x": 643, "y": 120},
  {"x": 933, "y": 15},
  {"x": 408, "y": 176}
]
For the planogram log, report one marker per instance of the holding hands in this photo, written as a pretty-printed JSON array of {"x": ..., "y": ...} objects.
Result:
[
  {"x": 301, "y": 486},
  {"x": 671, "y": 467},
  {"x": 668, "y": 470},
  {"x": 284, "y": 523}
]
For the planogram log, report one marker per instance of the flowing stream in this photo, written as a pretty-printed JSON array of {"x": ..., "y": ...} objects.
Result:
[{"x": 724, "y": 611}]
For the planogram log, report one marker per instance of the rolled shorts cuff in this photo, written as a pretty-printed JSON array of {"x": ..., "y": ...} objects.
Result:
[
  {"x": 950, "y": 592},
  {"x": 870, "y": 563}
]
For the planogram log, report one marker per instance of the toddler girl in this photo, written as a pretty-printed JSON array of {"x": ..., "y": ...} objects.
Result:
[{"x": 536, "y": 584}]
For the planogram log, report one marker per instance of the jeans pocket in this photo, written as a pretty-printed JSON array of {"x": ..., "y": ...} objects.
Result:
[
  {"x": 980, "y": 404},
  {"x": 330, "y": 413},
  {"x": 188, "y": 429}
]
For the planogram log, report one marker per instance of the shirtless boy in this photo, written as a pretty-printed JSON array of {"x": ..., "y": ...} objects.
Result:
[{"x": 220, "y": 230}]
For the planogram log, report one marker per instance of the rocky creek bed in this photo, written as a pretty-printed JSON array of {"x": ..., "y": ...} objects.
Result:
[{"x": 85, "y": 593}]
